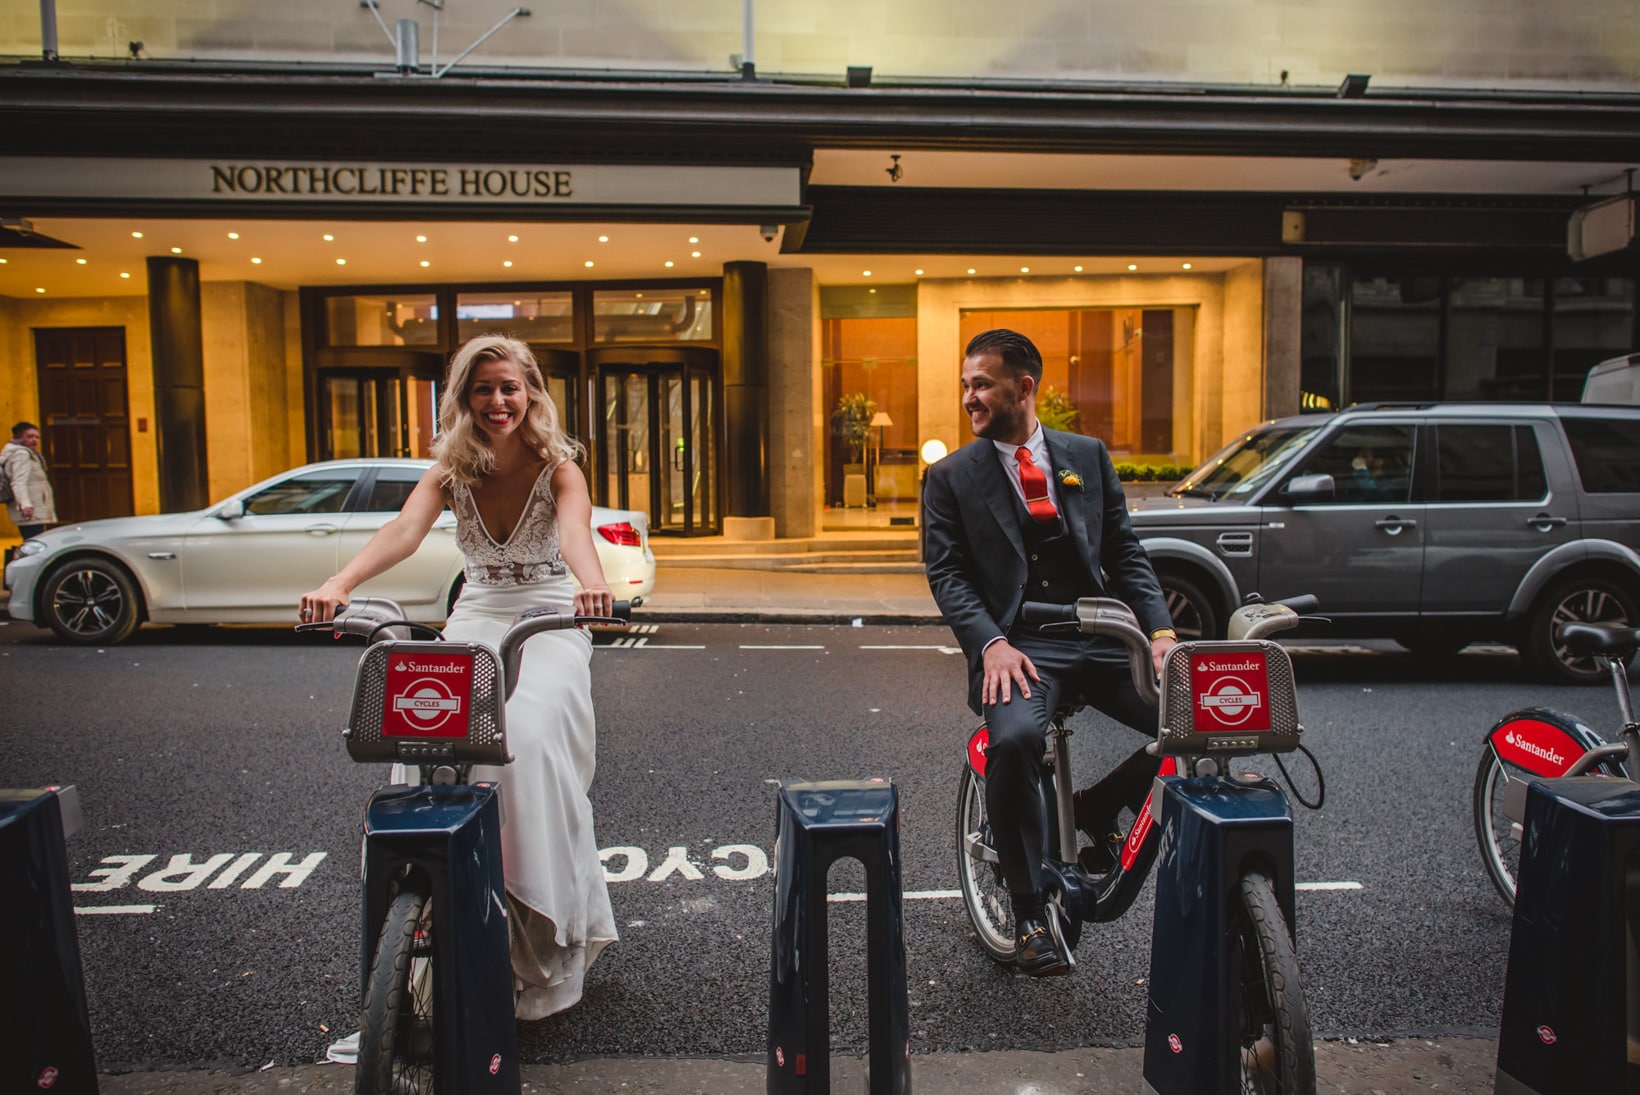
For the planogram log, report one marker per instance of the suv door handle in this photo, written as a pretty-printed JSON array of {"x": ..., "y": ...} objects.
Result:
[
  {"x": 1543, "y": 522},
  {"x": 1394, "y": 525}
]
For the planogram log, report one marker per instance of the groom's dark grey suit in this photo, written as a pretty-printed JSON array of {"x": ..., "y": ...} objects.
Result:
[{"x": 981, "y": 549}]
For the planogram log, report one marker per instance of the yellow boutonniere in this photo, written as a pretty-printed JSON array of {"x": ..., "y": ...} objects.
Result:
[{"x": 1069, "y": 480}]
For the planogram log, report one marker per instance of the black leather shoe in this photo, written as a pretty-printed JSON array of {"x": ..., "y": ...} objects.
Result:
[{"x": 1035, "y": 953}]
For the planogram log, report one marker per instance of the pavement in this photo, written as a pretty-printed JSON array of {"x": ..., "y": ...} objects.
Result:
[{"x": 1463, "y": 1062}]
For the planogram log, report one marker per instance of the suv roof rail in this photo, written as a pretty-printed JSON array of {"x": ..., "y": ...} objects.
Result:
[{"x": 1391, "y": 405}]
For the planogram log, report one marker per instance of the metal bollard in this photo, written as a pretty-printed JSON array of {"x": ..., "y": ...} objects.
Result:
[
  {"x": 1207, "y": 836},
  {"x": 818, "y": 824},
  {"x": 1571, "y": 996},
  {"x": 453, "y": 833},
  {"x": 45, "y": 1031}
]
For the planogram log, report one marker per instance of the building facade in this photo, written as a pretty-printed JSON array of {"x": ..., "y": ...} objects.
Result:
[{"x": 748, "y": 255}]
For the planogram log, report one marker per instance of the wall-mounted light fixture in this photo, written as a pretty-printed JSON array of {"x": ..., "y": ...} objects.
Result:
[{"x": 1354, "y": 85}]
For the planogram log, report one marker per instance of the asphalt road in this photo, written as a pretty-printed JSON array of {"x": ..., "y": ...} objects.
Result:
[{"x": 225, "y": 743}]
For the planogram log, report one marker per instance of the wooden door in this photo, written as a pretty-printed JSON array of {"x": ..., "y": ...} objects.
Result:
[{"x": 85, "y": 427}]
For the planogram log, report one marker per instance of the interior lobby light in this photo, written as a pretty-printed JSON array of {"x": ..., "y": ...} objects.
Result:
[
  {"x": 341, "y": 262},
  {"x": 421, "y": 239},
  {"x": 80, "y": 262},
  {"x": 588, "y": 264},
  {"x": 970, "y": 269},
  {"x": 123, "y": 274},
  {"x": 1184, "y": 266},
  {"x": 176, "y": 250},
  {"x": 603, "y": 239},
  {"x": 512, "y": 239},
  {"x": 1078, "y": 269},
  {"x": 3, "y": 262},
  {"x": 506, "y": 262},
  {"x": 329, "y": 238},
  {"x": 669, "y": 264},
  {"x": 865, "y": 273},
  {"x": 694, "y": 239},
  {"x": 1133, "y": 266},
  {"x": 255, "y": 261},
  {"x": 1024, "y": 269},
  {"x": 136, "y": 235},
  {"x": 233, "y": 235},
  {"x": 694, "y": 254},
  {"x": 41, "y": 290},
  {"x": 918, "y": 272},
  {"x": 933, "y": 451},
  {"x": 424, "y": 262}
]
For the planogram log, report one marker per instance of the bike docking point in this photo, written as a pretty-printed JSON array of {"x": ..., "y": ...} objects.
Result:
[
  {"x": 45, "y": 1032},
  {"x": 818, "y": 824},
  {"x": 1219, "y": 699},
  {"x": 1571, "y": 997}
]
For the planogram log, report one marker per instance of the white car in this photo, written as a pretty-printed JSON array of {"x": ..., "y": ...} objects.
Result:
[{"x": 248, "y": 558}]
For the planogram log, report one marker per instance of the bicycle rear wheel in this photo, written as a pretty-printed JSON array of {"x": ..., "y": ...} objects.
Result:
[
  {"x": 1500, "y": 846},
  {"x": 396, "y": 1043},
  {"x": 979, "y": 876},
  {"x": 1272, "y": 1020}
]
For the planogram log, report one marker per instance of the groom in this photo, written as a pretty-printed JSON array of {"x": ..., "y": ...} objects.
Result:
[{"x": 1029, "y": 514}]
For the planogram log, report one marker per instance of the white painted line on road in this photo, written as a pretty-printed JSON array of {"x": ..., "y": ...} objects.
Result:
[
  {"x": 941, "y": 649},
  {"x": 953, "y": 895},
  {"x": 910, "y": 895},
  {"x": 752, "y": 646},
  {"x": 112, "y": 910},
  {"x": 644, "y": 644}
]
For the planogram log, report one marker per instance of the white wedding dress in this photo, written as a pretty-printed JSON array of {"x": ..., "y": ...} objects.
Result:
[{"x": 558, "y": 902}]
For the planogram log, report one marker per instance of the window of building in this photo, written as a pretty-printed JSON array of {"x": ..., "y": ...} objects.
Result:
[
  {"x": 868, "y": 362},
  {"x": 1111, "y": 373},
  {"x": 382, "y": 319},
  {"x": 530, "y": 315},
  {"x": 652, "y": 315},
  {"x": 1495, "y": 340},
  {"x": 1395, "y": 338},
  {"x": 1594, "y": 319}
]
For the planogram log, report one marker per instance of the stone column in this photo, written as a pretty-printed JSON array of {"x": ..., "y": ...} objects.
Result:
[
  {"x": 1283, "y": 348},
  {"x": 746, "y": 400},
  {"x": 176, "y": 336}
]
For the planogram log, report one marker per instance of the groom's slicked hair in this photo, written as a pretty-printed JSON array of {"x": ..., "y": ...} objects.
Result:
[{"x": 1016, "y": 351}]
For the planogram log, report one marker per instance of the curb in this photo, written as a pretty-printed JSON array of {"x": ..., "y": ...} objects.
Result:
[{"x": 783, "y": 616}]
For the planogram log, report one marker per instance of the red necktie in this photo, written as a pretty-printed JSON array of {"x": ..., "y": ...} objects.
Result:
[{"x": 1035, "y": 486}]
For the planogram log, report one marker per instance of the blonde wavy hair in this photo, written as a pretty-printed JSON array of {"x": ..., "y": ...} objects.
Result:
[{"x": 461, "y": 449}]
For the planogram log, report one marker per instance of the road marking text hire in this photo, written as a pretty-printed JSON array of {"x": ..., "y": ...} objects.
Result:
[{"x": 182, "y": 873}]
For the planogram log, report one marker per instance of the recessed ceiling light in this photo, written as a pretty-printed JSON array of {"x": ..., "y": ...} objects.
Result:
[
  {"x": 1184, "y": 266},
  {"x": 176, "y": 250},
  {"x": 328, "y": 237},
  {"x": 603, "y": 239},
  {"x": 694, "y": 239},
  {"x": 873, "y": 290},
  {"x": 970, "y": 269},
  {"x": 1078, "y": 269},
  {"x": 424, "y": 262},
  {"x": 512, "y": 239},
  {"x": 1024, "y": 269},
  {"x": 1133, "y": 266},
  {"x": 669, "y": 264},
  {"x": 421, "y": 239},
  {"x": 39, "y": 290},
  {"x": 256, "y": 261},
  {"x": 80, "y": 262},
  {"x": 124, "y": 275},
  {"x": 917, "y": 272},
  {"x": 588, "y": 264},
  {"x": 639, "y": 296},
  {"x": 694, "y": 254},
  {"x": 3, "y": 262},
  {"x": 506, "y": 262},
  {"x": 233, "y": 235},
  {"x": 865, "y": 273},
  {"x": 341, "y": 262},
  {"x": 136, "y": 235}
]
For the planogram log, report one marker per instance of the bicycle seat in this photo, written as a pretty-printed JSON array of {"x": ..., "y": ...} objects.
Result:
[{"x": 1613, "y": 639}]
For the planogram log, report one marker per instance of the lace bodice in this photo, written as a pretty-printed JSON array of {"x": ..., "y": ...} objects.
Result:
[{"x": 527, "y": 556}]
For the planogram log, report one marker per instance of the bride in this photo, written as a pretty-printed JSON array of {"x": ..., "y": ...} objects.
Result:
[{"x": 524, "y": 526}]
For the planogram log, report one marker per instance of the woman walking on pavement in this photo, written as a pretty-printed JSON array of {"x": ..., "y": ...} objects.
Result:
[{"x": 524, "y": 526}]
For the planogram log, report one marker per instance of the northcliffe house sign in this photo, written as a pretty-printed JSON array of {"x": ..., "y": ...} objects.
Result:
[{"x": 293, "y": 183}]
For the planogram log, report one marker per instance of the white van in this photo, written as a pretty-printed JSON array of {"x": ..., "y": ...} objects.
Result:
[{"x": 1614, "y": 381}]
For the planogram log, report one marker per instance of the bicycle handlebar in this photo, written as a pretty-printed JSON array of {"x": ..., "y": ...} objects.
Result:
[
  {"x": 1111, "y": 618},
  {"x": 536, "y": 620}
]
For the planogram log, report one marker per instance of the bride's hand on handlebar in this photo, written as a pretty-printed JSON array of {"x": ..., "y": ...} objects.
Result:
[
  {"x": 320, "y": 606},
  {"x": 595, "y": 601}
]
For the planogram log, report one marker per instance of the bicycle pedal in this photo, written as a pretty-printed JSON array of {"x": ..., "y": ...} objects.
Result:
[{"x": 1056, "y": 932}]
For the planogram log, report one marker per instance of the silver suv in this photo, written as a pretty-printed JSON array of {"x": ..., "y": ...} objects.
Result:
[{"x": 1432, "y": 524}]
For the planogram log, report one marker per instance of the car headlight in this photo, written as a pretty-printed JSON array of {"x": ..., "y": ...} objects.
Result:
[{"x": 28, "y": 547}]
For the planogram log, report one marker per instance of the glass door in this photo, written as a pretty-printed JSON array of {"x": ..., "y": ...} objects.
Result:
[
  {"x": 657, "y": 450},
  {"x": 376, "y": 412}
]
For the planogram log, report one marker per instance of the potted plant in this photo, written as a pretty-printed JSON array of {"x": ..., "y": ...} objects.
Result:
[{"x": 852, "y": 420}]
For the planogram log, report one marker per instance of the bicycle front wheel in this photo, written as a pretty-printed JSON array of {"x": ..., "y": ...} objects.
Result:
[
  {"x": 1500, "y": 844},
  {"x": 396, "y": 1044},
  {"x": 1272, "y": 1021},
  {"x": 979, "y": 875}
]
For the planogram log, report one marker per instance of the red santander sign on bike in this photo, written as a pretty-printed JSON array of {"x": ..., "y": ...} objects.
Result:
[{"x": 1230, "y": 692}]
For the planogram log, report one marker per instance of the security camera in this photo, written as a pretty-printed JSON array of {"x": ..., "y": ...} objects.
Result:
[{"x": 769, "y": 231}]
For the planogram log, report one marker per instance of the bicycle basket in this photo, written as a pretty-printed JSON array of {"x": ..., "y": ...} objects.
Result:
[
  {"x": 428, "y": 703},
  {"x": 1228, "y": 697}
]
